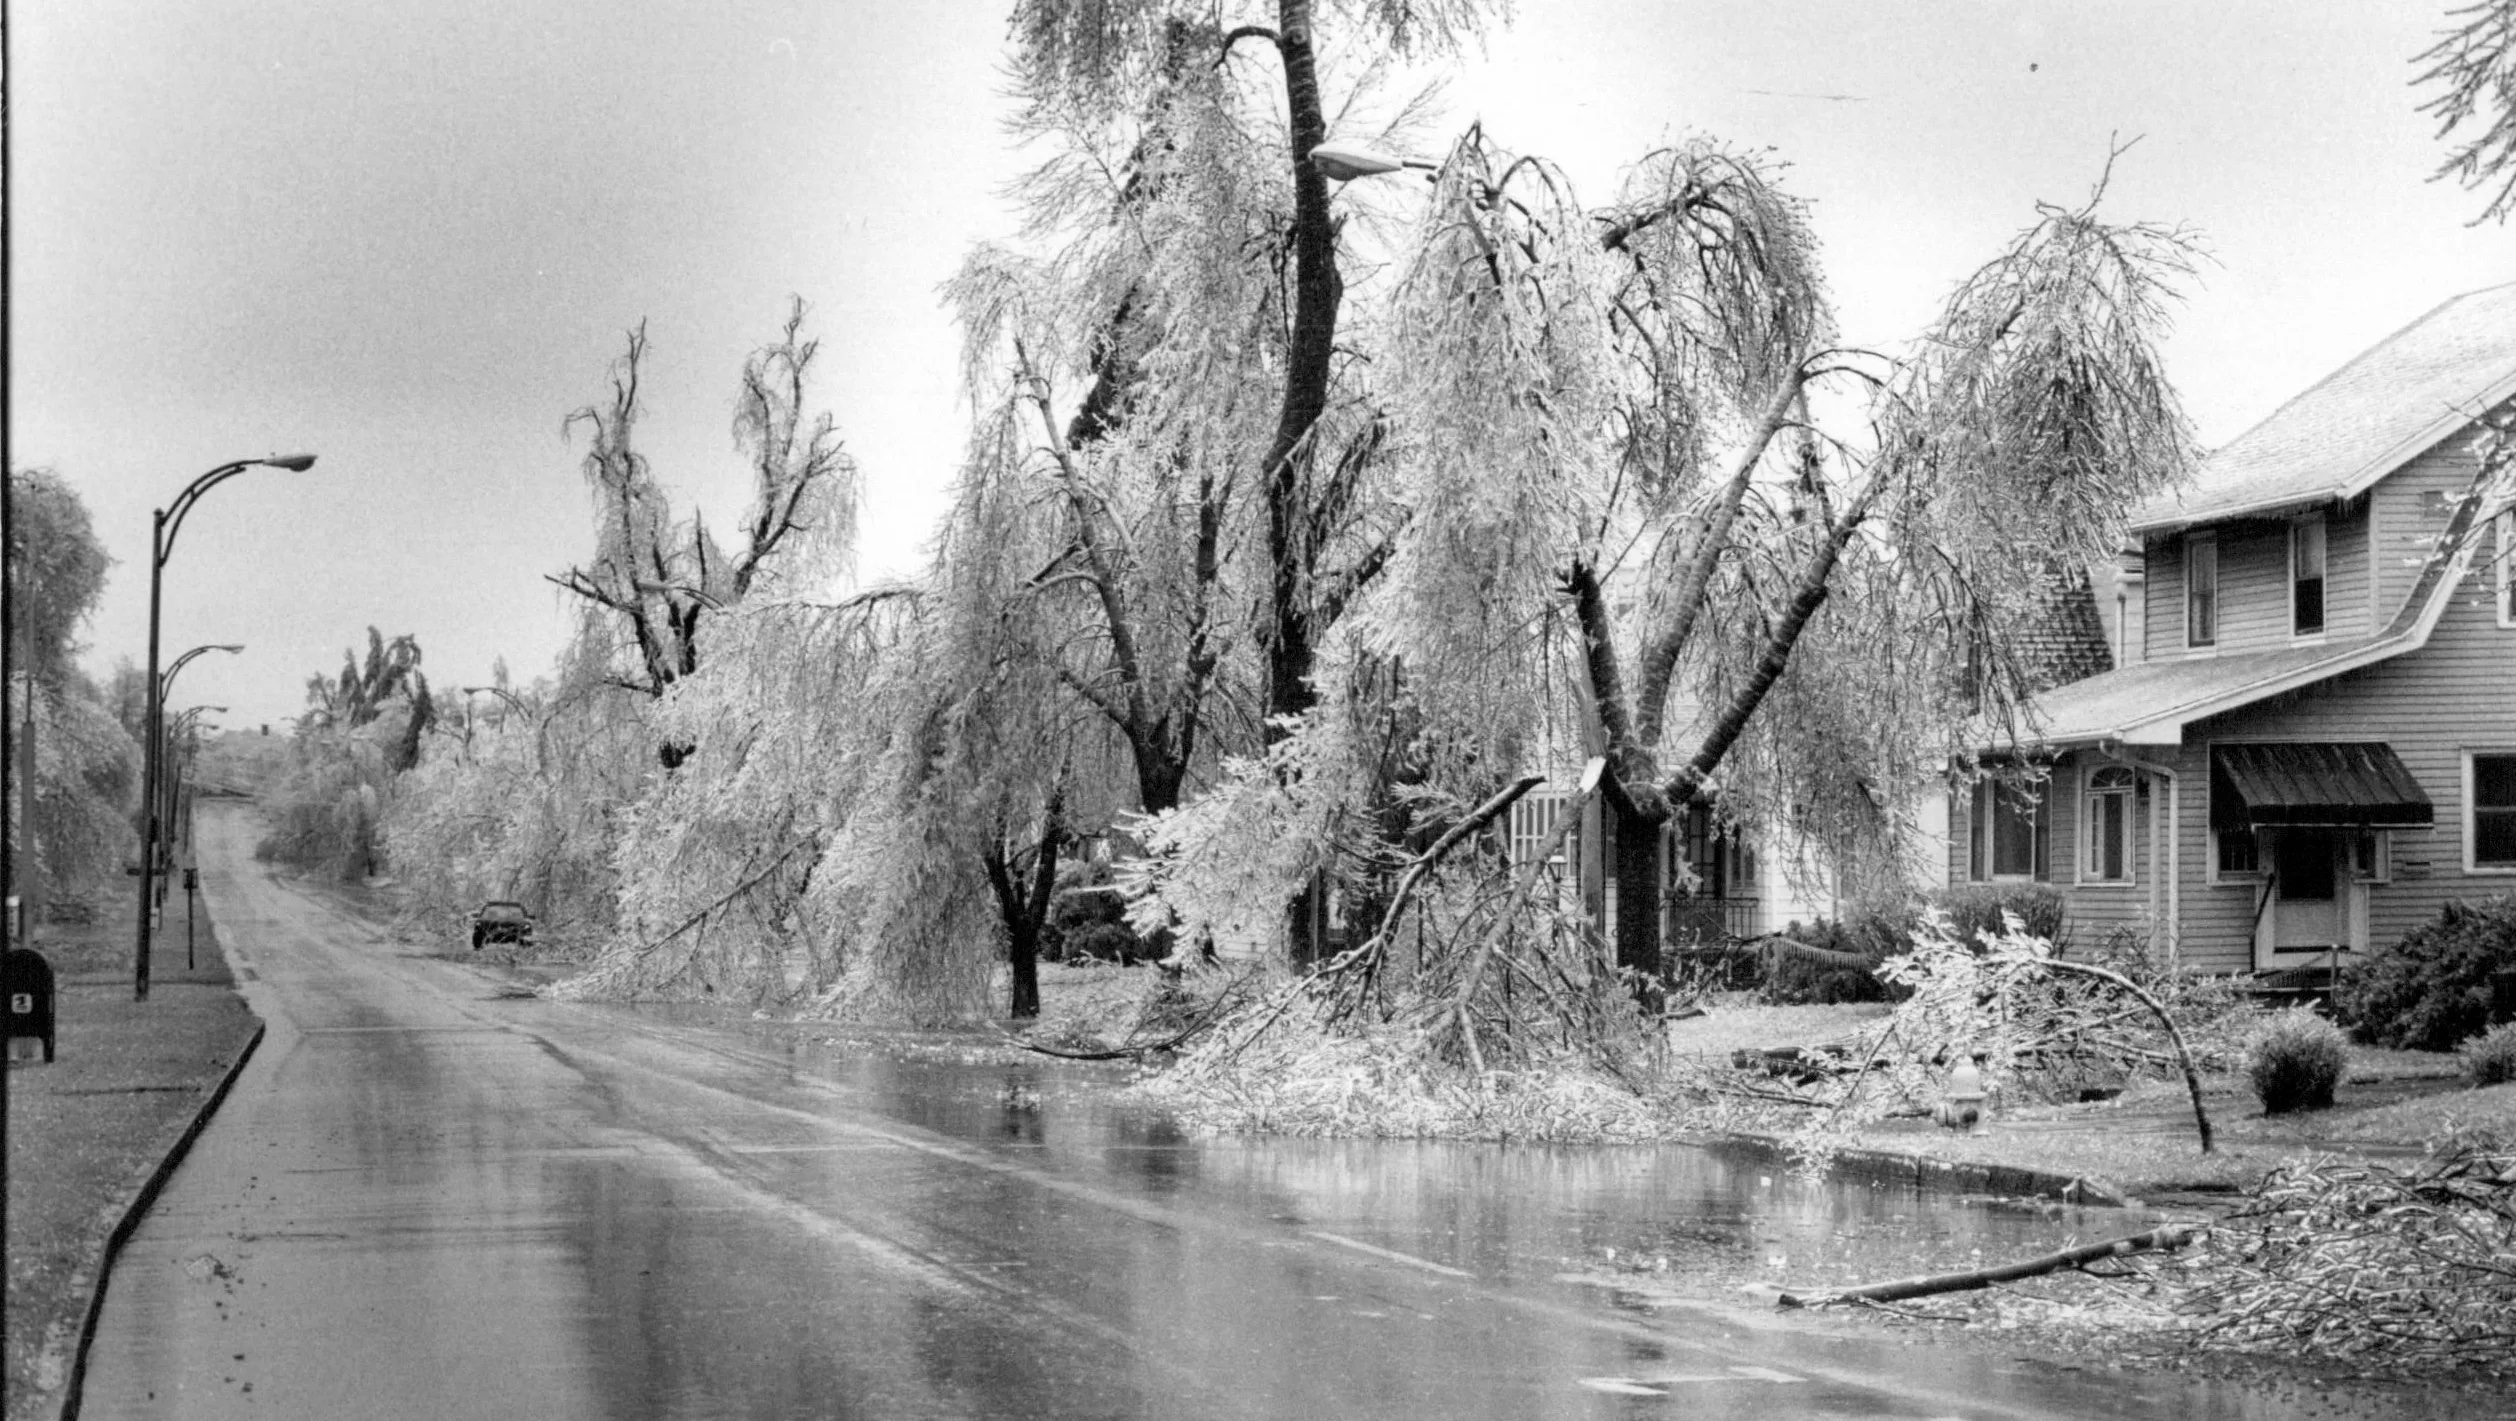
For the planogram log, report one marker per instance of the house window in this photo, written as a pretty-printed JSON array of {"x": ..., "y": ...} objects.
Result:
[
  {"x": 2239, "y": 854},
  {"x": 1532, "y": 822},
  {"x": 2306, "y": 576},
  {"x": 2490, "y": 811},
  {"x": 2010, "y": 832},
  {"x": 2201, "y": 590},
  {"x": 2105, "y": 854},
  {"x": 2504, "y": 567},
  {"x": 2371, "y": 856}
]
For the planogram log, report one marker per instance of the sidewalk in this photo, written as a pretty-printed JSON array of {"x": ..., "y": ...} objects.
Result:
[{"x": 92, "y": 1133}]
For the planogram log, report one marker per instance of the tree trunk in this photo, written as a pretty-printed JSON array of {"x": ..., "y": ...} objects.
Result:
[
  {"x": 1159, "y": 773},
  {"x": 1316, "y": 293},
  {"x": 1025, "y": 912},
  {"x": 1634, "y": 839}
]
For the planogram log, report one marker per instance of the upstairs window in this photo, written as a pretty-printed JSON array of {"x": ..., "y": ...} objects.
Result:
[
  {"x": 2306, "y": 576},
  {"x": 2201, "y": 590},
  {"x": 2490, "y": 813}
]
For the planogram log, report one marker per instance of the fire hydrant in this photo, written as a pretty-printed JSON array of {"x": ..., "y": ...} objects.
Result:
[{"x": 1961, "y": 1107}]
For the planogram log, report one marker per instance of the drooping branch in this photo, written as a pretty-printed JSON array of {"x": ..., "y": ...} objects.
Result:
[
  {"x": 2175, "y": 1034},
  {"x": 2475, "y": 62},
  {"x": 1815, "y": 584},
  {"x": 1711, "y": 538},
  {"x": 1423, "y": 864}
]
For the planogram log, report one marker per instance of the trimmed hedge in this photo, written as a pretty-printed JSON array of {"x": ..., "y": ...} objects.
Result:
[{"x": 2432, "y": 991}]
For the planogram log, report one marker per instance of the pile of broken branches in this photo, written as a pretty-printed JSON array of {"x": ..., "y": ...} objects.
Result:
[{"x": 2363, "y": 1262}]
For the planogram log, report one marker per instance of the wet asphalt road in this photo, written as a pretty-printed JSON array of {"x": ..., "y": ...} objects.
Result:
[{"x": 424, "y": 1200}]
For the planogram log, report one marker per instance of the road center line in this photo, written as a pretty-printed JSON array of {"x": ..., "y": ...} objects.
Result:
[{"x": 1393, "y": 1255}]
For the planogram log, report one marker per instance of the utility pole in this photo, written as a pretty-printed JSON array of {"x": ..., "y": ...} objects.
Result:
[{"x": 28, "y": 866}]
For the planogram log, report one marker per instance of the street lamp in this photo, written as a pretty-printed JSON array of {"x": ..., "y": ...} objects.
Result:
[
  {"x": 166, "y": 688},
  {"x": 166, "y": 683},
  {"x": 164, "y": 523},
  {"x": 172, "y": 787},
  {"x": 1344, "y": 162}
]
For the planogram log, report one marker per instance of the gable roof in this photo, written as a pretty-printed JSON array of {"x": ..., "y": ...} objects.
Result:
[
  {"x": 2391, "y": 404},
  {"x": 2152, "y": 702}
]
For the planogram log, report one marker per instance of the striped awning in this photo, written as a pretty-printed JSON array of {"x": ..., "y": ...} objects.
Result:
[{"x": 2318, "y": 783}]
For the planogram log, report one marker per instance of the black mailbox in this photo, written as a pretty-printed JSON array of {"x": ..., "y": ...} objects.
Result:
[{"x": 29, "y": 984}]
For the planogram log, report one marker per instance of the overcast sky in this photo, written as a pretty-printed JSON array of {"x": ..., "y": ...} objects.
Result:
[{"x": 409, "y": 237}]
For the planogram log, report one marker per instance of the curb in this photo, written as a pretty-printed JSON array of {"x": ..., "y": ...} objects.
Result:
[
  {"x": 129, "y": 1223},
  {"x": 1955, "y": 1176}
]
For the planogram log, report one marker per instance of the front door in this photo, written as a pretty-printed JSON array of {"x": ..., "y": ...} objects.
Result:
[{"x": 2310, "y": 884}]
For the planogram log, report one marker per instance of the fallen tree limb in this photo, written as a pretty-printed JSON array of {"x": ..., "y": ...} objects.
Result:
[
  {"x": 2183, "y": 1053},
  {"x": 1455, "y": 1015},
  {"x": 2170, "y": 1236},
  {"x": 1484, "y": 814}
]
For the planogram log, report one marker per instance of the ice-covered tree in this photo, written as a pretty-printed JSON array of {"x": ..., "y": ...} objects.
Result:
[
  {"x": 85, "y": 766},
  {"x": 2473, "y": 69},
  {"x": 657, "y": 578},
  {"x": 1628, "y": 440}
]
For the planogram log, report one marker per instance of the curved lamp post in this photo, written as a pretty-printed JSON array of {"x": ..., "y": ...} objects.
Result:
[
  {"x": 165, "y": 689},
  {"x": 171, "y": 787},
  {"x": 166, "y": 683},
  {"x": 163, "y": 525}
]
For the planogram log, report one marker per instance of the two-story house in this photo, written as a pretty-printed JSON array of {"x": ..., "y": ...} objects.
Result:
[{"x": 2310, "y": 744}]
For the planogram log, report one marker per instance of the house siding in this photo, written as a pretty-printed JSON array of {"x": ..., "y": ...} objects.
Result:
[
  {"x": 2410, "y": 510},
  {"x": 2097, "y": 910},
  {"x": 2162, "y": 600},
  {"x": 2454, "y": 695},
  {"x": 2254, "y": 596},
  {"x": 2457, "y": 693}
]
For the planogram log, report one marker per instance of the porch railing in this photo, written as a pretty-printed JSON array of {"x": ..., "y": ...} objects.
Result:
[{"x": 1698, "y": 921}]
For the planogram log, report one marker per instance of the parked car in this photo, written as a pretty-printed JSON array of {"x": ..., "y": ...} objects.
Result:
[{"x": 502, "y": 921}]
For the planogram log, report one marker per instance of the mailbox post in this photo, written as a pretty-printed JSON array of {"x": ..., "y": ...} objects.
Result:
[
  {"x": 191, "y": 883},
  {"x": 28, "y": 981}
]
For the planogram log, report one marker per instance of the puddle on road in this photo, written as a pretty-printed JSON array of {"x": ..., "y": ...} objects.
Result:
[
  {"x": 953, "y": 1291},
  {"x": 1702, "y": 1222}
]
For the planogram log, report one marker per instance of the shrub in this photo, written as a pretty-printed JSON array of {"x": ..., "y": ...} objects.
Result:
[
  {"x": 1794, "y": 978},
  {"x": 2490, "y": 1058},
  {"x": 1088, "y": 919},
  {"x": 2296, "y": 1060},
  {"x": 2433, "y": 989},
  {"x": 1109, "y": 942},
  {"x": 1976, "y": 908}
]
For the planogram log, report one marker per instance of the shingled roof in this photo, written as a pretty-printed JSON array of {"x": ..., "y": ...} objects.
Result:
[
  {"x": 2064, "y": 639},
  {"x": 2360, "y": 423}
]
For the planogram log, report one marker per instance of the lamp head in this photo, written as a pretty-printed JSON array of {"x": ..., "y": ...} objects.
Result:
[
  {"x": 1344, "y": 162},
  {"x": 294, "y": 463}
]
